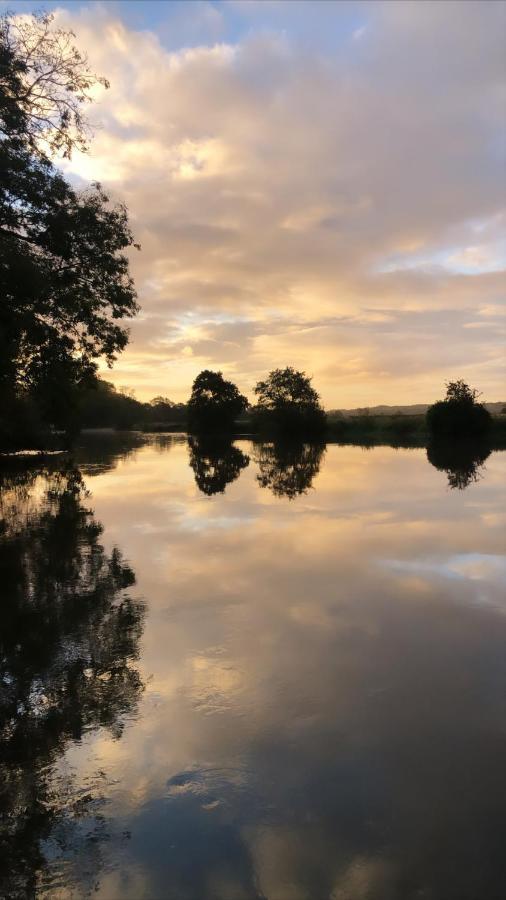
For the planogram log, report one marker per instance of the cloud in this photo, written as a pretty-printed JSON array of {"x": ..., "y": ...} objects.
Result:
[{"x": 281, "y": 182}]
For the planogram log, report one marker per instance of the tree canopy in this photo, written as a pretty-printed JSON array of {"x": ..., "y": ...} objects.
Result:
[
  {"x": 288, "y": 402},
  {"x": 215, "y": 403},
  {"x": 64, "y": 272}
]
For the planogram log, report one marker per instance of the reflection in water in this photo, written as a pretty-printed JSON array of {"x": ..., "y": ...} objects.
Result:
[
  {"x": 100, "y": 451},
  {"x": 288, "y": 468},
  {"x": 323, "y": 713},
  {"x": 463, "y": 461},
  {"x": 68, "y": 644},
  {"x": 216, "y": 463}
]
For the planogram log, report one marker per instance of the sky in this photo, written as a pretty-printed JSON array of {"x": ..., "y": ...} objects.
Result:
[{"x": 313, "y": 184}]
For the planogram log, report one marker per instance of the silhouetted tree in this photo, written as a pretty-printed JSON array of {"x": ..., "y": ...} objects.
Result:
[
  {"x": 288, "y": 468},
  {"x": 102, "y": 405},
  {"x": 214, "y": 404},
  {"x": 215, "y": 463},
  {"x": 68, "y": 645},
  {"x": 64, "y": 276},
  {"x": 461, "y": 461},
  {"x": 459, "y": 414},
  {"x": 288, "y": 403},
  {"x": 162, "y": 411}
]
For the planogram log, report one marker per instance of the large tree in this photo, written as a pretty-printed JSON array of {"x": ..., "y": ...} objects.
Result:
[
  {"x": 286, "y": 401},
  {"x": 64, "y": 274},
  {"x": 215, "y": 403}
]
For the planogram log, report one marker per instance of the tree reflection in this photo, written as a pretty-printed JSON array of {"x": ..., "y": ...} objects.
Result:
[
  {"x": 288, "y": 469},
  {"x": 461, "y": 461},
  {"x": 216, "y": 463},
  {"x": 68, "y": 645},
  {"x": 100, "y": 451}
]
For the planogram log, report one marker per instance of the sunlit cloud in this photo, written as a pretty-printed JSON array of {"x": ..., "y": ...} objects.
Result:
[{"x": 316, "y": 188}]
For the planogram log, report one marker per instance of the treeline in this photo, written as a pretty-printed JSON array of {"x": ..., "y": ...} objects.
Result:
[
  {"x": 103, "y": 406},
  {"x": 286, "y": 402},
  {"x": 287, "y": 405}
]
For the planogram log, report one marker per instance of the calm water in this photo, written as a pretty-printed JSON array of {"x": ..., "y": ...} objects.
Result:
[{"x": 253, "y": 672}]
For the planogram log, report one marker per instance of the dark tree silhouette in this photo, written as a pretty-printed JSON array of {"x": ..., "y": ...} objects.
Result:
[
  {"x": 459, "y": 414},
  {"x": 64, "y": 275},
  {"x": 461, "y": 461},
  {"x": 288, "y": 468},
  {"x": 216, "y": 463},
  {"x": 161, "y": 411},
  {"x": 214, "y": 404},
  {"x": 68, "y": 646},
  {"x": 286, "y": 402}
]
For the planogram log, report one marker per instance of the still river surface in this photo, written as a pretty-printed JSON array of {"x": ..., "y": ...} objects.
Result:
[{"x": 252, "y": 671}]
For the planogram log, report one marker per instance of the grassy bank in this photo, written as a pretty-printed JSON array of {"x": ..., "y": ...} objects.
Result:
[{"x": 395, "y": 429}]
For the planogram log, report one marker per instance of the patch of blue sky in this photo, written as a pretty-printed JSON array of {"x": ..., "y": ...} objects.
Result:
[
  {"x": 476, "y": 259},
  {"x": 325, "y": 25}
]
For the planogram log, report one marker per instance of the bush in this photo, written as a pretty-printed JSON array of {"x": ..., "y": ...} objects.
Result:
[{"x": 458, "y": 415}]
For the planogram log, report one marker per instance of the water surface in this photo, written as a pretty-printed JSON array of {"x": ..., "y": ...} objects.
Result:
[{"x": 253, "y": 671}]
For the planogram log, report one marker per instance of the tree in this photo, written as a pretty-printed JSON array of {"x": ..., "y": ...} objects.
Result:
[
  {"x": 44, "y": 83},
  {"x": 288, "y": 402},
  {"x": 460, "y": 392},
  {"x": 64, "y": 274},
  {"x": 162, "y": 412},
  {"x": 215, "y": 403},
  {"x": 103, "y": 406},
  {"x": 459, "y": 414}
]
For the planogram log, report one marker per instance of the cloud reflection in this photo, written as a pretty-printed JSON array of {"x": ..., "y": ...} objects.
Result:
[{"x": 315, "y": 721}]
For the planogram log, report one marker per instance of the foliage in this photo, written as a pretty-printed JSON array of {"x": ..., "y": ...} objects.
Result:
[
  {"x": 395, "y": 429},
  {"x": 44, "y": 83},
  {"x": 64, "y": 273},
  {"x": 162, "y": 413},
  {"x": 460, "y": 392},
  {"x": 462, "y": 462},
  {"x": 216, "y": 463},
  {"x": 68, "y": 646},
  {"x": 288, "y": 468},
  {"x": 102, "y": 405},
  {"x": 287, "y": 402},
  {"x": 214, "y": 403},
  {"x": 459, "y": 414}
]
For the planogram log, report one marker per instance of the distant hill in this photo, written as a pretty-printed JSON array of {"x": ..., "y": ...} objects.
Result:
[{"x": 417, "y": 409}]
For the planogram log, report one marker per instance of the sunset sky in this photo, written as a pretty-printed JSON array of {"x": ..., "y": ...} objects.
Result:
[{"x": 313, "y": 184}]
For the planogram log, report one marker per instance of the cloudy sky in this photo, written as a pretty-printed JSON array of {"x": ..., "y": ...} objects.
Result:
[{"x": 314, "y": 184}]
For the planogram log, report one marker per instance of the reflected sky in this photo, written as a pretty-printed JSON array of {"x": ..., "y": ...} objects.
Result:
[{"x": 323, "y": 712}]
